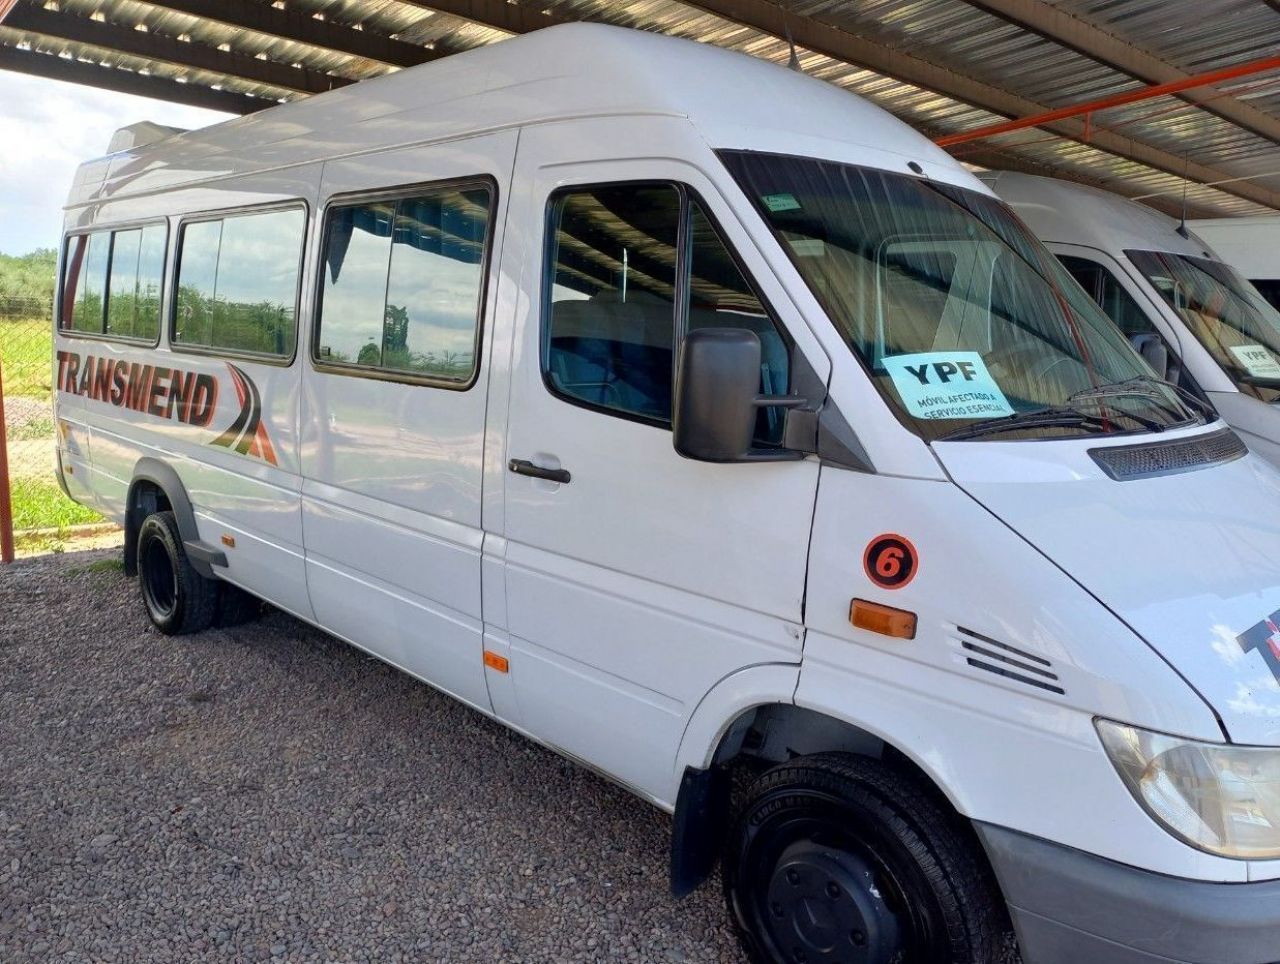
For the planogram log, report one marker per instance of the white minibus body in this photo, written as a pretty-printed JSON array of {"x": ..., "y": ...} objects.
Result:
[
  {"x": 1195, "y": 318},
  {"x": 687, "y": 415},
  {"x": 1251, "y": 245}
]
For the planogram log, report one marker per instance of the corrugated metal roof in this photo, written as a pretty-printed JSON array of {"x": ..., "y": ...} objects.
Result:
[{"x": 952, "y": 34}]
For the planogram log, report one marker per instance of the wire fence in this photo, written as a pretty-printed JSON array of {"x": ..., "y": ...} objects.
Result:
[{"x": 26, "y": 370}]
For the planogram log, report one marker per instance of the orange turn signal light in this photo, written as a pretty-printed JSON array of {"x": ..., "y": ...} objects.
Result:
[
  {"x": 496, "y": 662},
  {"x": 884, "y": 620},
  {"x": 229, "y": 541}
]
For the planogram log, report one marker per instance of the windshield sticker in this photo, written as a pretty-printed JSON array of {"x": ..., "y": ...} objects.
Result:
[
  {"x": 777, "y": 203},
  {"x": 946, "y": 384},
  {"x": 1256, "y": 360}
]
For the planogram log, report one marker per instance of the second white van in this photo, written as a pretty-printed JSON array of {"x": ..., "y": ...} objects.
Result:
[{"x": 1194, "y": 317}]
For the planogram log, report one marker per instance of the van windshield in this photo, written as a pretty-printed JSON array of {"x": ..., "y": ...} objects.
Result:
[
  {"x": 1229, "y": 316},
  {"x": 968, "y": 327}
]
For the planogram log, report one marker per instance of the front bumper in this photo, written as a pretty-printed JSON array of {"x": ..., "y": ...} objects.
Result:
[{"x": 1068, "y": 906}]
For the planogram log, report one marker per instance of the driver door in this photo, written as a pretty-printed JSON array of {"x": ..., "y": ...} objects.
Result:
[{"x": 636, "y": 580}]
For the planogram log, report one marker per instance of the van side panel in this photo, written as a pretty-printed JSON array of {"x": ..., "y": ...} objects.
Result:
[
  {"x": 226, "y": 424},
  {"x": 393, "y": 465}
]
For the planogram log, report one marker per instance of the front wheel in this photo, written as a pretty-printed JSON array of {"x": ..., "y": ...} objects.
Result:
[
  {"x": 845, "y": 859},
  {"x": 178, "y": 599}
]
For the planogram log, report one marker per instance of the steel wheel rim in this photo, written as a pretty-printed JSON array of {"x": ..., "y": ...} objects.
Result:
[
  {"x": 892, "y": 925},
  {"x": 159, "y": 579}
]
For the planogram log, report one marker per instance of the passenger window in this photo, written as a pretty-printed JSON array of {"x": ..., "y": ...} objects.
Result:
[
  {"x": 86, "y": 274},
  {"x": 611, "y": 319},
  {"x": 612, "y": 315},
  {"x": 238, "y": 283},
  {"x": 403, "y": 284},
  {"x": 137, "y": 273},
  {"x": 1104, "y": 288}
]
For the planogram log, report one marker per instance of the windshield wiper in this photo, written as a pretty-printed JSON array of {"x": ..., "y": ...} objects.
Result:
[
  {"x": 1144, "y": 386},
  {"x": 1056, "y": 416}
]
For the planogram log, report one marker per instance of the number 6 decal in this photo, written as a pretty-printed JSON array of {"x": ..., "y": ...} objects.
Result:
[{"x": 890, "y": 561}]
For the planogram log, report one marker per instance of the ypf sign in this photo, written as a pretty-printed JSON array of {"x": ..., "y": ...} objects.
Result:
[{"x": 953, "y": 384}]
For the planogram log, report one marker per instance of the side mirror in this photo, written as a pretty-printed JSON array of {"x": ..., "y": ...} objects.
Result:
[
  {"x": 1154, "y": 352},
  {"x": 717, "y": 397}
]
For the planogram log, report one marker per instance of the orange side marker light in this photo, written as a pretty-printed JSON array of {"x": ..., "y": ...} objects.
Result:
[
  {"x": 885, "y": 620},
  {"x": 496, "y": 662},
  {"x": 229, "y": 541}
]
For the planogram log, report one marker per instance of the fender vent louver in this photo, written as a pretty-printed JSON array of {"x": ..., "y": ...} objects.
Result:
[
  {"x": 1124, "y": 463},
  {"x": 984, "y": 653}
]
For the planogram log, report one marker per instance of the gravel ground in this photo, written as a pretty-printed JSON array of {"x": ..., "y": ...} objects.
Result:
[{"x": 268, "y": 793}]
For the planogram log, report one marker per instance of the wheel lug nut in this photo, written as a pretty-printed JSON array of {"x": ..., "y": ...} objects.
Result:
[
  {"x": 777, "y": 909},
  {"x": 799, "y": 956},
  {"x": 833, "y": 890},
  {"x": 858, "y": 938},
  {"x": 793, "y": 878}
]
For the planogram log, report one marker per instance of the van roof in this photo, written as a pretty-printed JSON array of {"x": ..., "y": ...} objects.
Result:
[
  {"x": 1068, "y": 213},
  {"x": 574, "y": 70}
]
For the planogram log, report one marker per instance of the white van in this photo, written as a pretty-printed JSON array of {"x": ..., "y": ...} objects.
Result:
[
  {"x": 1192, "y": 316},
  {"x": 697, "y": 419},
  {"x": 1251, "y": 245}
]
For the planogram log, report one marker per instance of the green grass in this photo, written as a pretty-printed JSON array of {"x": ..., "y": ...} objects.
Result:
[
  {"x": 32, "y": 431},
  {"x": 100, "y": 567},
  {"x": 26, "y": 353},
  {"x": 41, "y": 504}
]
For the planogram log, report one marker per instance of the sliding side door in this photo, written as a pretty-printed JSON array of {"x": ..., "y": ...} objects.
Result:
[{"x": 394, "y": 404}]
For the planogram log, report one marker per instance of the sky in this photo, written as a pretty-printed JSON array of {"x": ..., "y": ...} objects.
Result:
[{"x": 46, "y": 129}]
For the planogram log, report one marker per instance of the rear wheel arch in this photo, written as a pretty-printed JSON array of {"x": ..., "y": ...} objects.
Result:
[{"x": 156, "y": 487}]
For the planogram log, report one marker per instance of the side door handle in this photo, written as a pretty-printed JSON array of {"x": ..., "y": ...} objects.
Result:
[{"x": 525, "y": 467}]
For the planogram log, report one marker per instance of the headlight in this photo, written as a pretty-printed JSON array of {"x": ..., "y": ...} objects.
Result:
[{"x": 1217, "y": 797}]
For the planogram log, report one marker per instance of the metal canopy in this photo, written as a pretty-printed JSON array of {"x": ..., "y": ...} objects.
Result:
[{"x": 944, "y": 66}]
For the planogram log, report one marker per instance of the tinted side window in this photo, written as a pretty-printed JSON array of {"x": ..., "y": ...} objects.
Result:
[
  {"x": 122, "y": 283},
  {"x": 151, "y": 255},
  {"x": 613, "y": 314},
  {"x": 238, "y": 283},
  {"x": 1269, "y": 290},
  {"x": 1106, "y": 290},
  {"x": 85, "y": 282},
  {"x": 611, "y": 320},
  {"x": 403, "y": 284}
]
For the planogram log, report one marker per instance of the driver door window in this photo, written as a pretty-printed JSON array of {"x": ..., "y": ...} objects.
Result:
[{"x": 629, "y": 268}]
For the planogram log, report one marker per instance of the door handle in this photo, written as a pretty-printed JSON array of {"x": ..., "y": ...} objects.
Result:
[{"x": 525, "y": 467}]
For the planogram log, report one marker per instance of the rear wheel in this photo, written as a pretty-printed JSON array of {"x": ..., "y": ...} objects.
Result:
[
  {"x": 178, "y": 599},
  {"x": 844, "y": 859}
]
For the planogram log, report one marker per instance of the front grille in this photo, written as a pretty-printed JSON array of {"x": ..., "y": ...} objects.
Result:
[{"x": 1124, "y": 463}]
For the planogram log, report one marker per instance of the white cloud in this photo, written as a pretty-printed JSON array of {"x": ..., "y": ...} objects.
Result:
[{"x": 47, "y": 128}]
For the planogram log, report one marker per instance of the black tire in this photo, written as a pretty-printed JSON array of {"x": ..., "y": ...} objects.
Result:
[
  {"x": 235, "y": 606},
  {"x": 837, "y": 858},
  {"x": 178, "y": 599}
]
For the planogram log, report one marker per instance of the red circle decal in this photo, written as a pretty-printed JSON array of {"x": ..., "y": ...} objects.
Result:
[{"x": 890, "y": 561}]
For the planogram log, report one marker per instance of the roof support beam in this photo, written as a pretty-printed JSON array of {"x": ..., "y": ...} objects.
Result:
[
  {"x": 1112, "y": 100},
  {"x": 840, "y": 44},
  {"x": 1075, "y": 33},
  {"x": 170, "y": 50},
  {"x": 498, "y": 14},
  {"x": 125, "y": 82},
  {"x": 294, "y": 25}
]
